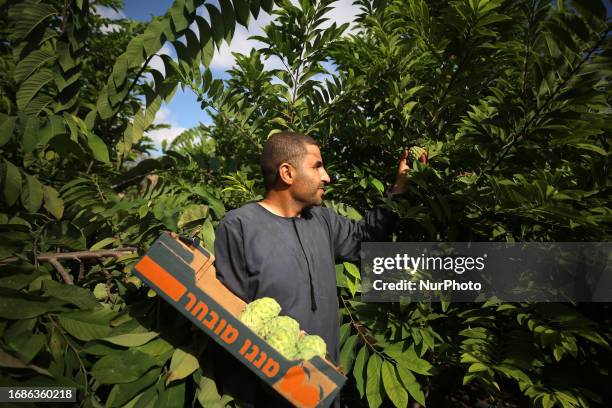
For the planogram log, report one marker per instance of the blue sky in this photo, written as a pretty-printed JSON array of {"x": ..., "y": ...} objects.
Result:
[{"x": 183, "y": 111}]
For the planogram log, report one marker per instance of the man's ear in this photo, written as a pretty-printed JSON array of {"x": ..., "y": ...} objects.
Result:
[{"x": 286, "y": 172}]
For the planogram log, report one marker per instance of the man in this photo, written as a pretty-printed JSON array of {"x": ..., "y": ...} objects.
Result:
[{"x": 286, "y": 245}]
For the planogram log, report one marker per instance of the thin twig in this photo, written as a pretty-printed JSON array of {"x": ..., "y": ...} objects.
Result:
[
  {"x": 60, "y": 269},
  {"x": 357, "y": 327}
]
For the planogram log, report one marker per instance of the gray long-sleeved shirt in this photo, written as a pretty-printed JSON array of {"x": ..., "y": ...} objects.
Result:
[{"x": 292, "y": 260}]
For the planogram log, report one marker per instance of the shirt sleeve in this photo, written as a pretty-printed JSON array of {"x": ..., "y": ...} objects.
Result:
[
  {"x": 347, "y": 235},
  {"x": 230, "y": 258}
]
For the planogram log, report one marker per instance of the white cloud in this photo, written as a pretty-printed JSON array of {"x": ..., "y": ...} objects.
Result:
[
  {"x": 165, "y": 115},
  {"x": 157, "y": 63},
  {"x": 342, "y": 12},
  {"x": 108, "y": 12}
]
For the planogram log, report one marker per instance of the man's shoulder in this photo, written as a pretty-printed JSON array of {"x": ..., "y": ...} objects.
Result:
[{"x": 246, "y": 212}]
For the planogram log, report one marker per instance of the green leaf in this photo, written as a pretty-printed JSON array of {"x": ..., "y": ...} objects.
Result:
[
  {"x": 122, "y": 393},
  {"x": 31, "y": 63},
  {"x": 16, "y": 305},
  {"x": 28, "y": 17},
  {"x": 132, "y": 339},
  {"x": 88, "y": 325},
  {"x": 53, "y": 203},
  {"x": 242, "y": 12},
  {"x": 172, "y": 396},
  {"x": 183, "y": 363},
  {"x": 408, "y": 358},
  {"x": 216, "y": 24},
  {"x": 27, "y": 345},
  {"x": 373, "y": 386},
  {"x": 393, "y": 387},
  {"x": 7, "y": 360},
  {"x": 352, "y": 269},
  {"x": 208, "y": 395},
  {"x": 411, "y": 384},
  {"x": 122, "y": 367},
  {"x": 30, "y": 134},
  {"x": 98, "y": 148},
  {"x": 229, "y": 18},
  {"x": 30, "y": 87},
  {"x": 80, "y": 297},
  {"x": 214, "y": 203},
  {"x": 347, "y": 354},
  {"x": 590, "y": 147},
  {"x": 11, "y": 183},
  {"x": 32, "y": 194},
  {"x": 194, "y": 212},
  {"x": 6, "y": 128},
  {"x": 359, "y": 369}
]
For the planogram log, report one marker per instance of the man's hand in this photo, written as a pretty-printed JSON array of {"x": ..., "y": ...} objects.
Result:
[{"x": 401, "y": 181}]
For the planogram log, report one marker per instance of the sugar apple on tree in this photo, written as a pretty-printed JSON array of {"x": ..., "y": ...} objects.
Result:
[
  {"x": 282, "y": 333},
  {"x": 415, "y": 153},
  {"x": 310, "y": 346},
  {"x": 257, "y": 314}
]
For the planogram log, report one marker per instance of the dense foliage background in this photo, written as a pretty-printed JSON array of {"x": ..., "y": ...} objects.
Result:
[{"x": 511, "y": 99}]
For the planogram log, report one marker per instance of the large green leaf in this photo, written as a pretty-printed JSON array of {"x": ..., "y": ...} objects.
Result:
[
  {"x": 359, "y": 369},
  {"x": 373, "y": 385},
  {"x": 98, "y": 148},
  {"x": 30, "y": 87},
  {"x": 15, "y": 305},
  {"x": 241, "y": 8},
  {"x": 183, "y": 363},
  {"x": 80, "y": 297},
  {"x": 122, "y": 393},
  {"x": 393, "y": 386},
  {"x": 32, "y": 194},
  {"x": 409, "y": 359},
  {"x": 31, "y": 63},
  {"x": 88, "y": 325},
  {"x": 7, "y": 126},
  {"x": 130, "y": 334},
  {"x": 173, "y": 395},
  {"x": 53, "y": 203},
  {"x": 30, "y": 134},
  {"x": 347, "y": 353},
  {"x": 28, "y": 16},
  {"x": 11, "y": 184},
  {"x": 122, "y": 367}
]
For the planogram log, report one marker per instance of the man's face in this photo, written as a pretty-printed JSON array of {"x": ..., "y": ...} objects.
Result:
[{"x": 310, "y": 179}]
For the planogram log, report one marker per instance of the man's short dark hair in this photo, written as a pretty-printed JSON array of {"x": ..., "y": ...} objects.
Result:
[{"x": 282, "y": 147}]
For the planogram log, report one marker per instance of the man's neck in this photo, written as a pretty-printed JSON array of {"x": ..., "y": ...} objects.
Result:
[{"x": 281, "y": 205}]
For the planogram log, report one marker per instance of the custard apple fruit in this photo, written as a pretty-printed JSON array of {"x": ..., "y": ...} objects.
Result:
[
  {"x": 310, "y": 346},
  {"x": 282, "y": 333},
  {"x": 257, "y": 314},
  {"x": 415, "y": 153}
]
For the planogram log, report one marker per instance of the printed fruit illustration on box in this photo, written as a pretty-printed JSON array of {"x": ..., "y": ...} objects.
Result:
[{"x": 281, "y": 332}]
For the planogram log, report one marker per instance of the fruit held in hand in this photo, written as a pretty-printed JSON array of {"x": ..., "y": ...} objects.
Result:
[
  {"x": 310, "y": 346},
  {"x": 415, "y": 153},
  {"x": 257, "y": 314}
]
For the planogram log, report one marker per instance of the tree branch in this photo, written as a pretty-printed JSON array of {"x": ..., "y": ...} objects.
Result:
[
  {"x": 54, "y": 257},
  {"x": 60, "y": 269}
]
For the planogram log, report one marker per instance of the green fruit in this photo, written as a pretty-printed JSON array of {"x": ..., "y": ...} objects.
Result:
[
  {"x": 282, "y": 333},
  {"x": 415, "y": 153},
  {"x": 310, "y": 346},
  {"x": 257, "y": 314}
]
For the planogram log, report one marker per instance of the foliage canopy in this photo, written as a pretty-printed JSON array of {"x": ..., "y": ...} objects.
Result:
[{"x": 511, "y": 99}]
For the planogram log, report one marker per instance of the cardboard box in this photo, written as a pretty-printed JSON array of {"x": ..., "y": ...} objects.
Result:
[{"x": 183, "y": 273}]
